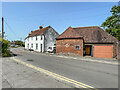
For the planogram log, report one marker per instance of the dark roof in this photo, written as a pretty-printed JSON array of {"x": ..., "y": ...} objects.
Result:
[
  {"x": 38, "y": 32},
  {"x": 92, "y": 34},
  {"x": 69, "y": 33}
]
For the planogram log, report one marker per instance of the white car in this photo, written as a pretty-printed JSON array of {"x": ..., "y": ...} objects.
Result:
[{"x": 51, "y": 49}]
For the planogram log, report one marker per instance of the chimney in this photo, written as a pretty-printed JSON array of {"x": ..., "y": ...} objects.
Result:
[
  {"x": 31, "y": 31},
  {"x": 29, "y": 34},
  {"x": 40, "y": 27}
]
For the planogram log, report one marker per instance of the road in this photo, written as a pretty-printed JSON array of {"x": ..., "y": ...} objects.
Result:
[{"x": 97, "y": 75}]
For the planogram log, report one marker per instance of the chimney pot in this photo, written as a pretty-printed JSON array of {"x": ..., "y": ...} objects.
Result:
[
  {"x": 31, "y": 31},
  {"x": 29, "y": 34},
  {"x": 40, "y": 27}
]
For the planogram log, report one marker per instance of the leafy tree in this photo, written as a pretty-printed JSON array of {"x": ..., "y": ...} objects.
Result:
[{"x": 112, "y": 23}]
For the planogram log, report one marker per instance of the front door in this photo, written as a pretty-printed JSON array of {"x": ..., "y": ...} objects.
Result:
[
  {"x": 87, "y": 50},
  {"x": 41, "y": 47}
]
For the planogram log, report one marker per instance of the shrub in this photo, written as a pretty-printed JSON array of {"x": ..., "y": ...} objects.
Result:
[{"x": 4, "y": 46}]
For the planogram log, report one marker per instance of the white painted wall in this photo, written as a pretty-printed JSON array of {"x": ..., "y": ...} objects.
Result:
[{"x": 32, "y": 40}]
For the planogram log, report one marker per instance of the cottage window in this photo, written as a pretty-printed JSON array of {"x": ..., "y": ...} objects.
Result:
[
  {"x": 36, "y": 37},
  {"x": 77, "y": 47},
  {"x": 36, "y": 46},
  {"x": 41, "y": 37},
  {"x": 31, "y": 38},
  {"x": 28, "y": 45},
  {"x": 31, "y": 45}
]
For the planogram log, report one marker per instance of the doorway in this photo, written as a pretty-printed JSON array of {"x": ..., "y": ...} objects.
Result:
[
  {"x": 88, "y": 50},
  {"x": 41, "y": 47}
]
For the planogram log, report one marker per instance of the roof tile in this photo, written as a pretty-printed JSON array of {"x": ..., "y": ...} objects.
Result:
[{"x": 92, "y": 34}]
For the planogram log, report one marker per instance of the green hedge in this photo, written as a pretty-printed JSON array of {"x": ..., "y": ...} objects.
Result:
[{"x": 4, "y": 46}]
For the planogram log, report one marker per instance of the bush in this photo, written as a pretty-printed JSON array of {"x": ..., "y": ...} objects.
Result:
[{"x": 4, "y": 47}]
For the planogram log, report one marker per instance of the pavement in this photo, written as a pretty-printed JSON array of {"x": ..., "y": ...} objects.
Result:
[
  {"x": 16, "y": 75},
  {"x": 71, "y": 71}
]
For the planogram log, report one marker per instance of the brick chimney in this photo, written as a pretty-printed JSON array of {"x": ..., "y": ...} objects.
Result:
[
  {"x": 29, "y": 34},
  {"x": 31, "y": 31},
  {"x": 40, "y": 27}
]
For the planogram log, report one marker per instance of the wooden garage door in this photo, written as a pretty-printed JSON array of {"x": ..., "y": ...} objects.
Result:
[{"x": 103, "y": 51}]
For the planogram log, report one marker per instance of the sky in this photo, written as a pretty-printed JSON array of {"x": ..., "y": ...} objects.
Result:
[{"x": 20, "y": 18}]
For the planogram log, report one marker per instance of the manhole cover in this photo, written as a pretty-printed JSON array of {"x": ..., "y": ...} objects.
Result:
[{"x": 31, "y": 60}]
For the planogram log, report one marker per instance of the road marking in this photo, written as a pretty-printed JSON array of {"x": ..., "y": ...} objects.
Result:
[
  {"x": 76, "y": 83},
  {"x": 17, "y": 52}
]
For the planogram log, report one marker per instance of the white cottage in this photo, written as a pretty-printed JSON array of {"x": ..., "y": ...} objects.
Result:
[{"x": 40, "y": 40}]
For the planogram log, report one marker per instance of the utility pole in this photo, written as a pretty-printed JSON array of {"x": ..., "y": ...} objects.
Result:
[{"x": 2, "y": 27}]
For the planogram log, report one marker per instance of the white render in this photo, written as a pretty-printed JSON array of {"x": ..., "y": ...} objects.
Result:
[
  {"x": 44, "y": 41},
  {"x": 32, "y": 40}
]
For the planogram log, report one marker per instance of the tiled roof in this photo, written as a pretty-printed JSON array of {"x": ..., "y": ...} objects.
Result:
[
  {"x": 38, "y": 32},
  {"x": 69, "y": 33},
  {"x": 93, "y": 34}
]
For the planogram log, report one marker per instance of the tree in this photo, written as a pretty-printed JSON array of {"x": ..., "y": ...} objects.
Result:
[
  {"x": 20, "y": 43},
  {"x": 112, "y": 23}
]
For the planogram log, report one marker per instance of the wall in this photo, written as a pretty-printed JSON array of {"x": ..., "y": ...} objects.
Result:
[
  {"x": 68, "y": 46},
  {"x": 50, "y": 38},
  {"x": 32, "y": 40}
]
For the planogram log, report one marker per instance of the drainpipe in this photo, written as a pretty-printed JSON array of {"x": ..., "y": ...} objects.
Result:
[
  {"x": 117, "y": 50},
  {"x": 44, "y": 42}
]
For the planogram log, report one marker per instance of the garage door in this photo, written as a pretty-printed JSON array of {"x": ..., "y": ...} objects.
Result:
[{"x": 103, "y": 51}]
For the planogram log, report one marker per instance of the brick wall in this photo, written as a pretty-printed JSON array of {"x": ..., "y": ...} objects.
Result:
[{"x": 68, "y": 46}]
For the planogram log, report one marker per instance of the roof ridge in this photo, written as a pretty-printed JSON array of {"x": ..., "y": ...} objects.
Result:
[
  {"x": 85, "y": 27},
  {"x": 39, "y": 31},
  {"x": 42, "y": 28}
]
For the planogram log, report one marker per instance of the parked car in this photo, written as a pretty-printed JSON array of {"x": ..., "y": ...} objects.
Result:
[
  {"x": 16, "y": 45},
  {"x": 12, "y": 45},
  {"x": 31, "y": 50},
  {"x": 51, "y": 50}
]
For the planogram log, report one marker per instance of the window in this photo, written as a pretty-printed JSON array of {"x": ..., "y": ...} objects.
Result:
[
  {"x": 31, "y": 45},
  {"x": 36, "y": 46},
  {"x": 77, "y": 47},
  {"x": 41, "y": 37},
  {"x": 41, "y": 47},
  {"x": 28, "y": 45},
  {"x": 31, "y": 38},
  {"x": 36, "y": 37}
]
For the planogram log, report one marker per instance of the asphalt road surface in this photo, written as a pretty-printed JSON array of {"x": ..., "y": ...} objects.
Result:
[{"x": 97, "y": 75}]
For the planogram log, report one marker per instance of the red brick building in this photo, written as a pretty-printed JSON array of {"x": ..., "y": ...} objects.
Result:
[{"x": 87, "y": 41}]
